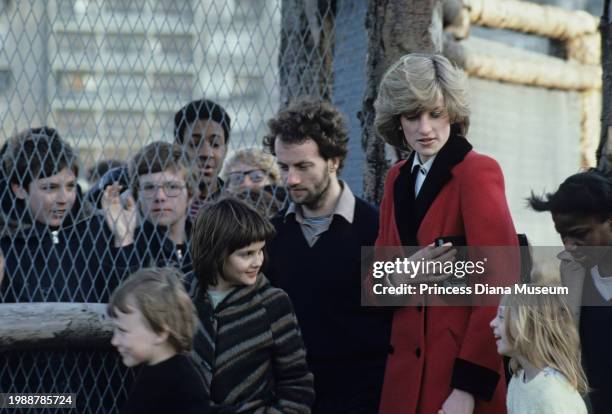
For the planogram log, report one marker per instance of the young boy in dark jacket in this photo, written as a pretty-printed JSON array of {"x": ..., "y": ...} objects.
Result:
[
  {"x": 54, "y": 252},
  {"x": 154, "y": 322},
  {"x": 161, "y": 190}
]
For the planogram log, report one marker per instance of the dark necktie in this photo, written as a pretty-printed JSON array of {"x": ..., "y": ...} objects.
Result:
[{"x": 413, "y": 176}]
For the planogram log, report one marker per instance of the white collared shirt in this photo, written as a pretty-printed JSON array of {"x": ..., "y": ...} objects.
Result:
[
  {"x": 603, "y": 284},
  {"x": 425, "y": 167}
]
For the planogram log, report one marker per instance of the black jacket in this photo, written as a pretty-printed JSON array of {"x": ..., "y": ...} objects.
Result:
[
  {"x": 173, "y": 386},
  {"x": 343, "y": 339},
  {"x": 152, "y": 247},
  {"x": 67, "y": 264}
]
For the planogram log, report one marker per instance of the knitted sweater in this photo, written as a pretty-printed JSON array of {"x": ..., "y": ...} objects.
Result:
[
  {"x": 547, "y": 393},
  {"x": 251, "y": 351}
]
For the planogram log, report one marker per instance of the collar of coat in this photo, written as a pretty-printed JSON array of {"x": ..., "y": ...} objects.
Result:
[{"x": 409, "y": 212}]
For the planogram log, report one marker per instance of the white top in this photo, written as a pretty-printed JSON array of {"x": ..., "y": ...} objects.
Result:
[
  {"x": 425, "y": 167},
  {"x": 603, "y": 284},
  {"x": 217, "y": 296},
  {"x": 547, "y": 393}
]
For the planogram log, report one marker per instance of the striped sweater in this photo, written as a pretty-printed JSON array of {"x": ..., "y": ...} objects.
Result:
[{"x": 251, "y": 350}]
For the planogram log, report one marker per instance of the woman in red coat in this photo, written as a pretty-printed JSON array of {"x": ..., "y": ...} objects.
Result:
[{"x": 443, "y": 359}]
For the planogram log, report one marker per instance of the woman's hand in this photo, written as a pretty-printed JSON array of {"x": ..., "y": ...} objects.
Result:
[
  {"x": 120, "y": 214},
  {"x": 458, "y": 402},
  {"x": 427, "y": 272}
]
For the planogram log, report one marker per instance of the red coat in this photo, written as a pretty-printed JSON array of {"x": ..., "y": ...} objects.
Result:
[{"x": 436, "y": 349}]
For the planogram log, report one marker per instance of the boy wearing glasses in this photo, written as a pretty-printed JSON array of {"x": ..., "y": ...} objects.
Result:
[{"x": 161, "y": 187}]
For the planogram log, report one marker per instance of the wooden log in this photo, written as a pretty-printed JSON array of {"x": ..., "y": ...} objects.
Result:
[
  {"x": 44, "y": 325},
  {"x": 513, "y": 65},
  {"x": 548, "y": 21},
  {"x": 585, "y": 49},
  {"x": 590, "y": 124}
]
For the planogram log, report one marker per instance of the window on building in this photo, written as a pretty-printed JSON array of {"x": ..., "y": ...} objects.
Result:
[
  {"x": 176, "y": 47},
  {"x": 76, "y": 123},
  {"x": 78, "y": 44},
  {"x": 125, "y": 43},
  {"x": 124, "y": 6},
  {"x": 6, "y": 79},
  {"x": 174, "y": 8},
  {"x": 248, "y": 9},
  {"x": 173, "y": 85},
  {"x": 247, "y": 86},
  {"x": 163, "y": 125},
  {"x": 125, "y": 125},
  {"x": 5, "y": 7},
  {"x": 121, "y": 84},
  {"x": 71, "y": 9},
  {"x": 70, "y": 83}
]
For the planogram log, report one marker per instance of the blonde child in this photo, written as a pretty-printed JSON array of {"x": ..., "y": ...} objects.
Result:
[
  {"x": 154, "y": 323},
  {"x": 539, "y": 336}
]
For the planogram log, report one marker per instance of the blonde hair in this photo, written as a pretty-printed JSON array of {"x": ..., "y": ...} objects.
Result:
[
  {"x": 159, "y": 295},
  {"x": 541, "y": 330},
  {"x": 413, "y": 85},
  {"x": 258, "y": 159}
]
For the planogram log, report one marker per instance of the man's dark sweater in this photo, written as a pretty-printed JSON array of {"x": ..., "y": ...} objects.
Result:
[
  {"x": 173, "y": 386},
  {"x": 346, "y": 343}
]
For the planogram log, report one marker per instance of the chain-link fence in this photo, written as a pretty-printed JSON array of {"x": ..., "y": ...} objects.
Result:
[{"x": 110, "y": 77}]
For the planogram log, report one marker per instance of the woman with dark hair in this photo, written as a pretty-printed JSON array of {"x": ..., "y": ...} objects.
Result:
[
  {"x": 443, "y": 359},
  {"x": 249, "y": 342}
]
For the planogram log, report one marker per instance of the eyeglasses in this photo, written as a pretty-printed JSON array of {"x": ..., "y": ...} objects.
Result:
[
  {"x": 171, "y": 189},
  {"x": 237, "y": 178}
]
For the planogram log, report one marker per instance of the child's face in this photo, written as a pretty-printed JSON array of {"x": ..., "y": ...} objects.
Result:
[
  {"x": 163, "y": 197},
  {"x": 242, "y": 266},
  {"x": 134, "y": 339},
  {"x": 207, "y": 139},
  {"x": 498, "y": 324},
  {"x": 50, "y": 199}
]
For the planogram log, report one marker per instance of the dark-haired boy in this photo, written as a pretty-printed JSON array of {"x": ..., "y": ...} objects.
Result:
[
  {"x": 204, "y": 127},
  {"x": 54, "y": 253},
  {"x": 582, "y": 212},
  {"x": 49, "y": 255}
]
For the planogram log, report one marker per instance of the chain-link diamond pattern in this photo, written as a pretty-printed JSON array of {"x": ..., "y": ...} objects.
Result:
[{"x": 108, "y": 76}]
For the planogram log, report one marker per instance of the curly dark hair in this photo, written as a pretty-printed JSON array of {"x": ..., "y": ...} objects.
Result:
[{"x": 307, "y": 118}]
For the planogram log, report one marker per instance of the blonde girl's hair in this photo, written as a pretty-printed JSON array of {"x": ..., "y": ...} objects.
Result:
[
  {"x": 160, "y": 296},
  {"x": 413, "y": 85},
  {"x": 542, "y": 330}
]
